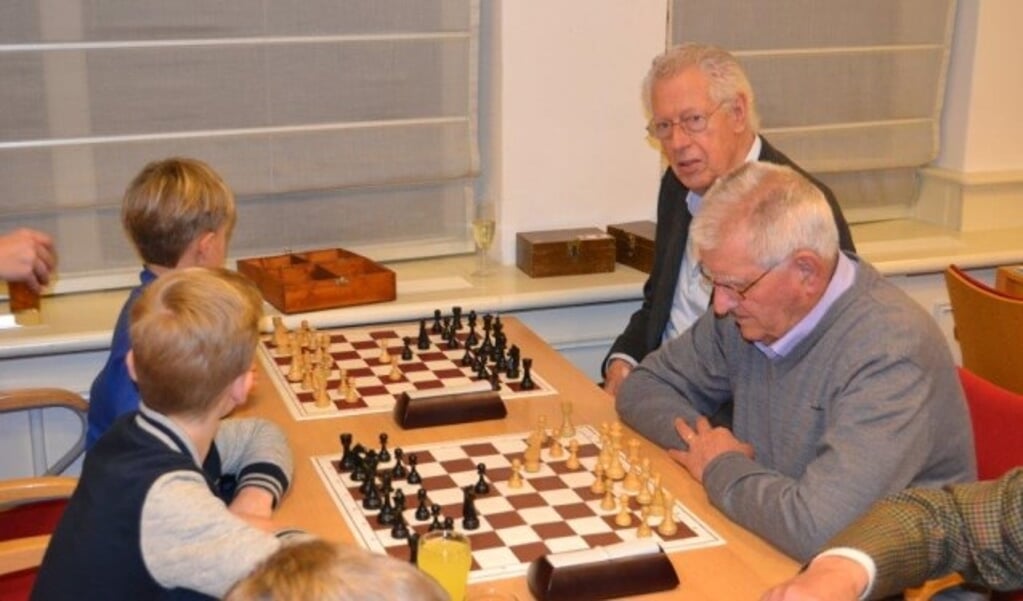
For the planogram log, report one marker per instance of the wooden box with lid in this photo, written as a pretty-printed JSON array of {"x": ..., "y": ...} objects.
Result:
[
  {"x": 565, "y": 252},
  {"x": 634, "y": 243}
]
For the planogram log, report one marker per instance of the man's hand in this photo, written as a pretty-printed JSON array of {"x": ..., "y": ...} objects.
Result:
[
  {"x": 617, "y": 371},
  {"x": 27, "y": 256},
  {"x": 829, "y": 578},
  {"x": 705, "y": 443}
]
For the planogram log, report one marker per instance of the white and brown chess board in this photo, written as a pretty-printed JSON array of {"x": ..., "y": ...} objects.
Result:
[
  {"x": 363, "y": 370},
  {"x": 554, "y": 510}
]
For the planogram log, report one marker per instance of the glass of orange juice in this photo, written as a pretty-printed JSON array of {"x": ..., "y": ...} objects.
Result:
[{"x": 446, "y": 556}]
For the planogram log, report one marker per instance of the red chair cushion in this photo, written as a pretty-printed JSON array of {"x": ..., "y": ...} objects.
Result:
[{"x": 31, "y": 519}]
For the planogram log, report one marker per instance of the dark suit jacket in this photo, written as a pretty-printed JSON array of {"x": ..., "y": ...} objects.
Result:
[{"x": 646, "y": 326}]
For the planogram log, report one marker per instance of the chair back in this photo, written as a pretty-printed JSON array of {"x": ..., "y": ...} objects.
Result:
[{"x": 989, "y": 329}]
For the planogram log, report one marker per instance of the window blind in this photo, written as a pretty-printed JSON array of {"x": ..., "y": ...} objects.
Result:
[
  {"x": 852, "y": 91},
  {"x": 336, "y": 122}
]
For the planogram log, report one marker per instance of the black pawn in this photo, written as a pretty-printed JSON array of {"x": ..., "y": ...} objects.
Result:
[
  {"x": 398, "y": 472},
  {"x": 452, "y": 338},
  {"x": 482, "y": 487},
  {"x": 437, "y": 328},
  {"x": 495, "y": 380},
  {"x": 387, "y": 513},
  {"x": 422, "y": 512},
  {"x": 472, "y": 339},
  {"x": 372, "y": 499},
  {"x": 413, "y": 475},
  {"x": 527, "y": 379},
  {"x": 384, "y": 455},
  {"x": 449, "y": 523},
  {"x": 406, "y": 350},
  {"x": 514, "y": 354},
  {"x": 423, "y": 343},
  {"x": 399, "y": 500},
  {"x": 470, "y": 519},
  {"x": 436, "y": 523},
  {"x": 400, "y": 528},
  {"x": 456, "y": 317},
  {"x": 347, "y": 463},
  {"x": 413, "y": 547},
  {"x": 468, "y": 358},
  {"x": 472, "y": 318}
]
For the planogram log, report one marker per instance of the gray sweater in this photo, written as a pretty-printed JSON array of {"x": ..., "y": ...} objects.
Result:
[{"x": 867, "y": 405}]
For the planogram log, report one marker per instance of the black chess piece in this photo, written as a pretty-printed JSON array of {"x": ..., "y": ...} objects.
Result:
[
  {"x": 347, "y": 462},
  {"x": 468, "y": 358},
  {"x": 456, "y": 317},
  {"x": 384, "y": 455},
  {"x": 400, "y": 528},
  {"x": 497, "y": 326},
  {"x": 422, "y": 512},
  {"x": 472, "y": 339},
  {"x": 500, "y": 360},
  {"x": 398, "y": 472},
  {"x": 436, "y": 523},
  {"x": 488, "y": 320},
  {"x": 413, "y": 475},
  {"x": 406, "y": 349},
  {"x": 449, "y": 523},
  {"x": 372, "y": 499},
  {"x": 370, "y": 467},
  {"x": 436, "y": 328},
  {"x": 527, "y": 382},
  {"x": 452, "y": 338},
  {"x": 512, "y": 364},
  {"x": 413, "y": 547},
  {"x": 482, "y": 487},
  {"x": 423, "y": 343},
  {"x": 470, "y": 519},
  {"x": 472, "y": 318},
  {"x": 482, "y": 373},
  {"x": 387, "y": 514},
  {"x": 358, "y": 473},
  {"x": 399, "y": 500},
  {"x": 495, "y": 380}
]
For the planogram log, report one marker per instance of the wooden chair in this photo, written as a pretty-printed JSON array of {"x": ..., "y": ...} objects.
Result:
[
  {"x": 997, "y": 417},
  {"x": 989, "y": 329},
  {"x": 31, "y": 507}
]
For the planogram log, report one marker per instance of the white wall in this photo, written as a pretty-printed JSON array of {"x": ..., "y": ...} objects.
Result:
[
  {"x": 981, "y": 121},
  {"x": 564, "y": 144}
]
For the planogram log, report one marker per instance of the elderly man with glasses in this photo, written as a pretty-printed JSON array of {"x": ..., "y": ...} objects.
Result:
[
  {"x": 704, "y": 117},
  {"x": 844, "y": 388}
]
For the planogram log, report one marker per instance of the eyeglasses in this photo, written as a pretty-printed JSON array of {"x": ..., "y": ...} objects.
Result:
[
  {"x": 691, "y": 124},
  {"x": 739, "y": 291}
]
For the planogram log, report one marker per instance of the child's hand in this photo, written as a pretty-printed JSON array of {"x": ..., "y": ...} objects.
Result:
[{"x": 252, "y": 502}]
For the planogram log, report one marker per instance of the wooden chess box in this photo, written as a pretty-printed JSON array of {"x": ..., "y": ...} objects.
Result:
[
  {"x": 634, "y": 243},
  {"x": 319, "y": 279},
  {"x": 565, "y": 252}
]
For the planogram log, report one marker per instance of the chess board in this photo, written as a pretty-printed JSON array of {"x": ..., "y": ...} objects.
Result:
[
  {"x": 554, "y": 511},
  {"x": 358, "y": 352}
]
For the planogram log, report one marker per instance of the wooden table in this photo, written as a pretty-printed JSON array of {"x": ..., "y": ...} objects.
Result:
[{"x": 743, "y": 568}]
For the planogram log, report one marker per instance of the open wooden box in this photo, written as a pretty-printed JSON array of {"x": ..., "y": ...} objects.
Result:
[{"x": 319, "y": 279}]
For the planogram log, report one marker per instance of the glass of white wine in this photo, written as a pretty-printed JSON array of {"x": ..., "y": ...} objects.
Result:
[{"x": 483, "y": 225}]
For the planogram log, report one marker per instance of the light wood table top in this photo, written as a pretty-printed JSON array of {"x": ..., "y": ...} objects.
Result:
[{"x": 743, "y": 568}]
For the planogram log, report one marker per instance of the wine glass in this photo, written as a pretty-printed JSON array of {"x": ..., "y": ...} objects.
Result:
[{"x": 483, "y": 226}]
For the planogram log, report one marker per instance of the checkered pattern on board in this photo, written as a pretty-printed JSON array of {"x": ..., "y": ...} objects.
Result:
[
  {"x": 554, "y": 511},
  {"x": 358, "y": 352}
]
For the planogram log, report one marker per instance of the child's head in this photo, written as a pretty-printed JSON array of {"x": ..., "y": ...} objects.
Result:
[
  {"x": 193, "y": 335},
  {"x": 320, "y": 571},
  {"x": 176, "y": 208}
]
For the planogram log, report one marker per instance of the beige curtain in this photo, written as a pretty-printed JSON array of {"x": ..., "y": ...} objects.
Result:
[
  {"x": 851, "y": 90},
  {"x": 337, "y": 122}
]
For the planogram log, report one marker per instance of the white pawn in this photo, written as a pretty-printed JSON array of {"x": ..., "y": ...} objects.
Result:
[
  {"x": 556, "y": 451},
  {"x": 624, "y": 517},
  {"x": 632, "y": 482},
  {"x": 608, "y": 502},
  {"x": 668, "y": 527},
  {"x": 657, "y": 502},
  {"x": 572, "y": 462},
  {"x": 567, "y": 428},
  {"x": 597, "y": 487},
  {"x": 385, "y": 357},
  {"x": 644, "y": 530},
  {"x": 515, "y": 480}
]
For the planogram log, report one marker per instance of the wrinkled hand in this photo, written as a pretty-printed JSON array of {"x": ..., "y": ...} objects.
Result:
[
  {"x": 27, "y": 256},
  {"x": 617, "y": 371},
  {"x": 705, "y": 443},
  {"x": 828, "y": 578}
]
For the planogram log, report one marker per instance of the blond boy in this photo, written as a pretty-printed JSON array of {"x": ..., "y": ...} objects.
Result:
[
  {"x": 149, "y": 518},
  {"x": 178, "y": 213}
]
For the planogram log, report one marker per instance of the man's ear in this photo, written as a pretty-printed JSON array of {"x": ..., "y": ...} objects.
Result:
[
  {"x": 810, "y": 266},
  {"x": 739, "y": 110},
  {"x": 129, "y": 361}
]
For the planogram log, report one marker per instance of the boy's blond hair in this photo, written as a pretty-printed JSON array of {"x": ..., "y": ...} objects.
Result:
[
  {"x": 320, "y": 571},
  {"x": 193, "y": 332},
  {"x": 172, "y": 202}
]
